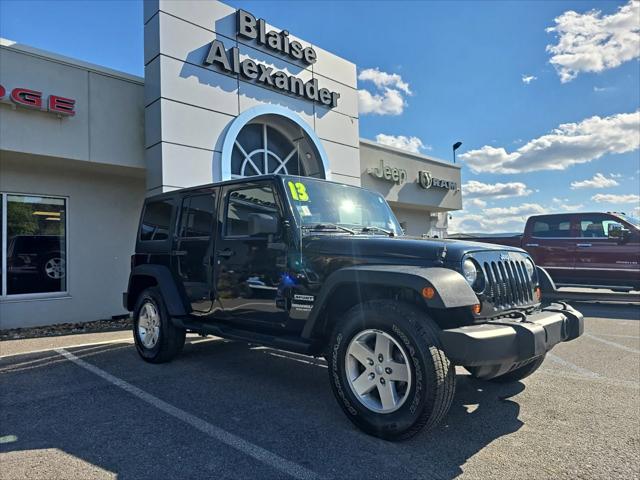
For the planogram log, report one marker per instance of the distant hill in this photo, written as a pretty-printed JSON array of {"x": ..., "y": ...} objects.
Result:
[{"x": 480, "y": 235}]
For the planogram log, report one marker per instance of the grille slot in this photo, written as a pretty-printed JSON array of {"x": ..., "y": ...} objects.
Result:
[{"x": 508, "y": 283}]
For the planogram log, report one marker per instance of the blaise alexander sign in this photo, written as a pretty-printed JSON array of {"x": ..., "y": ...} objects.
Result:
[
  {"x": 255, "y": 29},
  {"x": 399, "y": 176}
]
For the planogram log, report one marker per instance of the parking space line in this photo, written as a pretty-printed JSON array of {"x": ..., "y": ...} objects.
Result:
[
  {"x": 612, "y": 344},
  {"x": 283, "y": 465},
  {"x": 572, "y": 366},
  {"x": 52, "y": 349}
]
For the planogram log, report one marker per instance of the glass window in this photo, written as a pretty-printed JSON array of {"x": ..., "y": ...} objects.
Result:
[
  {"x": 552, "y": 227},
  {"x": 197, "y": 216},
  {"x": 36, "y": 244},
  {"x": 156, "y": 219},
  {"x": 244, "y": 202},
  {"x": 320, "y": 202},
  {"x": 596, "y": 226}
]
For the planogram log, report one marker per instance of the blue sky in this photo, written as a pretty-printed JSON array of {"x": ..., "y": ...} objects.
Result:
[{"x": 454, "y": 71}]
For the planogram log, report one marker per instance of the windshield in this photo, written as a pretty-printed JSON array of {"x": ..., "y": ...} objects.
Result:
[
  {"x": 632, "y": 220},
  {"x": 322, "y": 203}
]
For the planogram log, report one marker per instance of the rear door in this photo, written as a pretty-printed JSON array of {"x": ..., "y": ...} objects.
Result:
[
  {"x": 249, "y": 269},
  {"x": 552, "y": 243},
  {"x": 194, "y": 246},
  {"x": 601, "y": 260}
]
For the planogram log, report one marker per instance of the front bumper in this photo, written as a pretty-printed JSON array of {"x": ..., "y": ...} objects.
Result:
[{"x": 512, "y": 340}]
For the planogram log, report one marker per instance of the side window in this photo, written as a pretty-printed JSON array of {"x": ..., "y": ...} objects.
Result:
[
  {"x": 156, "y": 219},
  {"x": 596, "y": 226},
  {"x": 243, "y": 203},
  {"x": 550, "y": 227},
  {"x": 197, "y": 216}
]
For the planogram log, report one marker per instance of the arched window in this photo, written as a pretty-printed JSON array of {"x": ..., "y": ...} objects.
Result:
[{"x": 274, "y": 143}]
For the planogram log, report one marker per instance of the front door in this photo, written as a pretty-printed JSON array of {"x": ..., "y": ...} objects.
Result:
[
  {"x": 249, "y": 266},
  {"x": 601, "y": 260},
  {"x": 193, "y": 252}
]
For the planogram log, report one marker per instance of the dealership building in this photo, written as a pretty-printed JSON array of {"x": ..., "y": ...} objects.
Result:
[{"x": 225, "y": 95}]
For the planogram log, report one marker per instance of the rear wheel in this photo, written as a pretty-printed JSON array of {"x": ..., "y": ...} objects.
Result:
[
  {"x": 157, "y": 339},
  {"x": 388, "y": 371}
]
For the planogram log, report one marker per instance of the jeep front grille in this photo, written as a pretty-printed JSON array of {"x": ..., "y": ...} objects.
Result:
[{"x": 508, "y": 283}]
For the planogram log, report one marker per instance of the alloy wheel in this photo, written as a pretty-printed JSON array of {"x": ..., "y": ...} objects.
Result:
[{"x": 378, "y": 371}]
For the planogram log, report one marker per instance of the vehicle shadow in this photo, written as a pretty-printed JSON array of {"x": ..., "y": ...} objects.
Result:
[{"x": 286, "y": 406}]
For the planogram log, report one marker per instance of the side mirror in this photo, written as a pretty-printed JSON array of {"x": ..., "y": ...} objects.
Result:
[
  {"x": 262, "y": 224},
  {"x": 617, "y": 232}
]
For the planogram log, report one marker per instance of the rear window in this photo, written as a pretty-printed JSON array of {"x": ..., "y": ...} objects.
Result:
[
  {"x": 156, "y": 219},
  {"x": 552, "y": 227}
]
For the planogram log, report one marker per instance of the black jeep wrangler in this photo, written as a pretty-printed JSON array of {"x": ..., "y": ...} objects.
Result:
[{"x": 323, "y": 269}]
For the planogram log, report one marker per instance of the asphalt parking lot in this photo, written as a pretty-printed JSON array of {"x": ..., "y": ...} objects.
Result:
[{"x": 231, "y": 410}]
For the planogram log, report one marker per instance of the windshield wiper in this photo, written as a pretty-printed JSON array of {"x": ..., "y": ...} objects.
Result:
[
  {"x": 328, "y": 226},
  {"x": 373, "y": 228}
]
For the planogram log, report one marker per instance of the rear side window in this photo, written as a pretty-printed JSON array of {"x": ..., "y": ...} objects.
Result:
[
  {"x": 552, "y": 227},
  {"x": 156, "y": 219},
  {"x": 197, "y": 216}
]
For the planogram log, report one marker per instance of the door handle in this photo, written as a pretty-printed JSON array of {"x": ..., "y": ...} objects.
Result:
[
  {"x": 583, "y": 244},
  {"x": 531, "y": 245},
  {"x": 226, "y": 253}
]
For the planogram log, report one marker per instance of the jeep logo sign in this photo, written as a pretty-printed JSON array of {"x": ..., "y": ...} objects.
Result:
[{"x": 390, "y": 174}]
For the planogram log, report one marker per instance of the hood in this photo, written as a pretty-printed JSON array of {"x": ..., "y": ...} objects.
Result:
[{"x": 407, "y": 249}]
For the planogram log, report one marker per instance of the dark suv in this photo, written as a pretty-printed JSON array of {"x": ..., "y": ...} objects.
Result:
[{"x": 323, "y": 269}]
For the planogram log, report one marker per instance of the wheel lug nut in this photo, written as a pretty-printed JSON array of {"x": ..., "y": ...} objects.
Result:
[
  {"x": 372, "y": 376},
  {"x": 388, "y": 371},
  {"x": 380, "y": 358},
  {"x": 370, "y": 361},
  {"x": 382, "y": 381}
]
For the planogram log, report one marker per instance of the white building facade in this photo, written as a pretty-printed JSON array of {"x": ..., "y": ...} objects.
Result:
[{"x": 224, "y": 95}]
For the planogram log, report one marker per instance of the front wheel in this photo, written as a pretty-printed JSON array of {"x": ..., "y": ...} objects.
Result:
[
  {"x": 157, "y": 339},
  {"x": 388, "y": 370}
]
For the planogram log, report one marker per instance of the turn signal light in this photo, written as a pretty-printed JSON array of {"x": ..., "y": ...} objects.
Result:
[
  {"x": 538, "y": 294},
  {"x": 476, "y": 308},
  {"x": 428, "y": 293}
]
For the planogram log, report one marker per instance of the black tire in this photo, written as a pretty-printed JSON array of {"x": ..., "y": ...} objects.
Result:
[
  {"x": 170, "y": 339},
  {"x": 432, "y": 374},
  {"x": 521, "y": 372}
]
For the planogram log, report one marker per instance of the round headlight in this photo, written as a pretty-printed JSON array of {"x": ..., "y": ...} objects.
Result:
[
  {"x": 530, "y": 267},
  {"x": 469, "y": 271}
]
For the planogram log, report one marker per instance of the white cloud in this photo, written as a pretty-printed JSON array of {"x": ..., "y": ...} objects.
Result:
[
  {"x": 411, "y": 144},
  {"x": 567, "y": 145},
  {"x": 384, "y": 79},
  {"x": 475, "y": 189},
  {"x": 390, "y": 102},
  {"x": 527, "y": 79},
  {"x": 498, "y": 219},
  {"x": 474, "y": 202},
  {"x": 389, "y": 97},
  {"x": 613, "y": 198},
  {"x": 592, "y": 42},
  {"x": 602, "y": 89},
  {"x": 598, "y": 181}
]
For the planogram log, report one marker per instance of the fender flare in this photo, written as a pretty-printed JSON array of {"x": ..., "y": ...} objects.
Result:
[
  {"x": 545, "y": 282},
  {"x": 452, "y": 290},
  {"x": 174, "y": 301}
]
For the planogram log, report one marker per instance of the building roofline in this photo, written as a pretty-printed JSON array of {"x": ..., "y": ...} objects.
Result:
[
  {"x": 72, "y": 62},
  {"x": 418, "y": 156}
]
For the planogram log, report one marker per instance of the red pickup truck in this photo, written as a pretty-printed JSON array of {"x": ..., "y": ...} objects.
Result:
[{"x": 582, "y": 249}]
